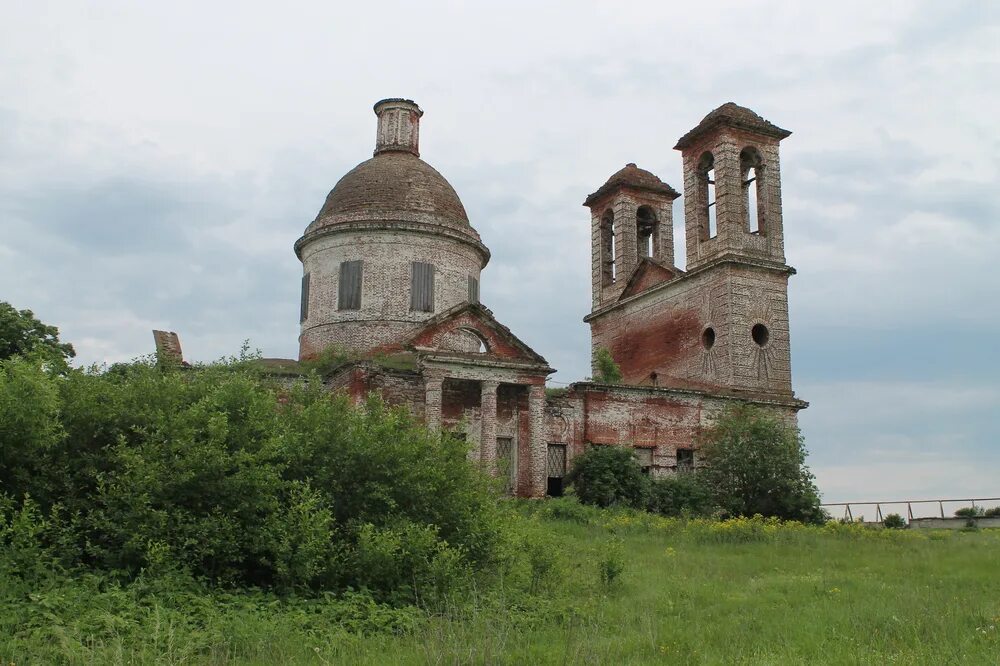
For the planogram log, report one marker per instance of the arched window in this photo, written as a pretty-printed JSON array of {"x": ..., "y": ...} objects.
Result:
[
  {"x": 752, "y": 168},
  {"x": 476, "y": 339},
  {"x": 607, "y": 248},
  {"x": 647, "y": 232},
  {"x": 706, "y": 172}
]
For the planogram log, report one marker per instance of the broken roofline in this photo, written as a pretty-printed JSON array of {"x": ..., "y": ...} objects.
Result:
[{"x": 748, "y": 396}]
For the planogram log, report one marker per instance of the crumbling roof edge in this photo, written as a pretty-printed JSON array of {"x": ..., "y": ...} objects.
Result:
[{"x": 727, "y": 394}]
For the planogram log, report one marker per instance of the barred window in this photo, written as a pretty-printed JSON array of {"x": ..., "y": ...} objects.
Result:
[
  {"x": 349, "y": 287},
  {"x": 422, "y": 287},
  {"x": 685, "y": 460},
  {"x": 304, "y": 305}
]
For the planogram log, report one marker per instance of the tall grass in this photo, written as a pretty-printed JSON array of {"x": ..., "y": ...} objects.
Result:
[{"x": 748, "y": 591}]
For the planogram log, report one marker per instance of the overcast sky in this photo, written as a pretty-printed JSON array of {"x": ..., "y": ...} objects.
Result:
[{"x": 158, "y": 161}]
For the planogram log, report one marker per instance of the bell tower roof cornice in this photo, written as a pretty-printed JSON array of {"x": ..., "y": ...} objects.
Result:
[
  {"x": 732, "y": 115},
  {"x": 633, "y": 177}
]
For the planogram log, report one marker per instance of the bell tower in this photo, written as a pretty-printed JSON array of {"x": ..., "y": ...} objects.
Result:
[
  {"x": 722, "y": 322},
  {"x": 631, "y": 220},
  {"x": 732, "y": 187}
]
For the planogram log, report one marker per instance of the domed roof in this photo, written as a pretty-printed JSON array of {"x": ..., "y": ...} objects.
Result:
[
  {"x": 393, "y": 186},
  {"x": 732, "y": 114},
  {"x": 635, "y": 178}
]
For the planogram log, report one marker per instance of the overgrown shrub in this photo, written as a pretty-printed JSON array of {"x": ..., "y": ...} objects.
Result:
[
  {"x": 217, "y": 472},
  {"x": 755, "y": 464},
  {"x": 683, "y": 494},
  {"x": 894, "y": 521},
  {"x": 609, "y": 476},
  {"x": 992, "y": 513},
  {"x": 970, "y": 512}
]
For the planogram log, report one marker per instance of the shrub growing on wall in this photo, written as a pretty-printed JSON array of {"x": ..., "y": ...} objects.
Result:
[
  {"x": 608, "y": 476},
  {"x": 755, "y": 463},
  {"x": 608, "y": 371}
]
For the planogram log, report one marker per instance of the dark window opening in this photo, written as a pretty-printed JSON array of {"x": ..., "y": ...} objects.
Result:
[
  {"x": 685, "y": 460},
  {"x": 304, "y": 305},
  {"x": 760, "y": 334},
  {"x": 645, "y": 457},
  {"x": 708, "y": 338},
  {"x": 422, "y": 287},
  {"x": 349, "y": 287},
  {"x": 607, "y": 251},
  {"x": 473, "y": 290},
  {"x": 556, "y": 464},
  {"x": 646, "y": 228}
]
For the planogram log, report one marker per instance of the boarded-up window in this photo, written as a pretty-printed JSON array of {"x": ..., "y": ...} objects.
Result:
[
  {"x": 645, "y": 458},
  {"x": 304, "y": 306},
  {"x": 349, "y": 287},
  {"x": 473, "y": 290},
  {"x": 422, "y": 287},
  {"x": 506, "y": 465},
  {"x": 685, "y": 460}
]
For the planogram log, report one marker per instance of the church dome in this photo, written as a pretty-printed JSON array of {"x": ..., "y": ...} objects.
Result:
[{"x": 393, "y": 186}]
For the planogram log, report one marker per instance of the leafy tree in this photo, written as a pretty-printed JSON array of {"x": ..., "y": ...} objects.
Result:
[
  {"x": 755, "y": 463},
  {"x": 608, "y": 476},
  {"x": 608, "y": 371},
  {"x": 222, "y": 473},
  {"x": 681, "y": 494},
  {"x": 22, "y": 334}
]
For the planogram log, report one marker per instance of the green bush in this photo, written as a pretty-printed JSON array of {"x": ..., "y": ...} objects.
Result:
[
  {"x": 682, "y": 494},
  {"x": 992, "y": 513},
  {"x": 970, "y": 512},
  {"x": 894, "y": 521},
  {"x": 755, "y": 464},
  {"x": 217, "y": 472},
  {"x": 608, "y": 371},
  {"x": 609, "y": 476}
]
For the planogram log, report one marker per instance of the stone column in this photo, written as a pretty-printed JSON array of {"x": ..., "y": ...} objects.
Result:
[
  {"x": 433, "y": 385},
  {"x": 537, "y": 444},
  {"x": 488, "y": 426}
]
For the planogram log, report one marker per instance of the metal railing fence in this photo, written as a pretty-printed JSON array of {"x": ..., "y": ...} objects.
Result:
[{"x": 879, "y": 517}]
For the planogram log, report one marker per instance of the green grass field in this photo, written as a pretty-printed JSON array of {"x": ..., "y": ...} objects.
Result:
[{"x": 741, "y": 592}]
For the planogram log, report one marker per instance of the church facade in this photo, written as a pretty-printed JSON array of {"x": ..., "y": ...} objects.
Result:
[{"x": 391, "y": 274}]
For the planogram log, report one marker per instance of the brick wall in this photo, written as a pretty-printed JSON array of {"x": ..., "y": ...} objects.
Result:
[{"x": 385, "y": 314}]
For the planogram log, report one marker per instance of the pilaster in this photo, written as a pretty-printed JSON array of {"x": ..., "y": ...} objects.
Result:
[
  {"x": 488, "y": 426},
  {"x": 537, "y": 445}
]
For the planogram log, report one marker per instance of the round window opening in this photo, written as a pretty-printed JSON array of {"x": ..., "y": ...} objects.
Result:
[
  {"x": 760, "y": 334},
  {"x": 708, "y": 338}
]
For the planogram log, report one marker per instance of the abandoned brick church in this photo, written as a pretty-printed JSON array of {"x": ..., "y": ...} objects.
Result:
[{"x": 392, "y": 268}]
